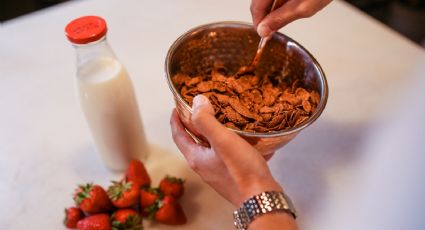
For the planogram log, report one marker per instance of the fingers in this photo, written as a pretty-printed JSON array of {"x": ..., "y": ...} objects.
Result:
[
  {"x": 207, "y": 125},
  {"x": 259, "y": 9},
  {"x": 183, "y": 140},
  {"x": 280, "y": 17},
  {"x": 290, "y": 11}
]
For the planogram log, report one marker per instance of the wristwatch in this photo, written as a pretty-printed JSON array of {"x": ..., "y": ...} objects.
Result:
[{"x": 265, "y": 202}]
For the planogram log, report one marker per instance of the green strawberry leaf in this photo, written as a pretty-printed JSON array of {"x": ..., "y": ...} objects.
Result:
[
  {"x": 84, "y": 192},
  {"x": 117, "y": 189},
  {"x": 173, "y": 179}
]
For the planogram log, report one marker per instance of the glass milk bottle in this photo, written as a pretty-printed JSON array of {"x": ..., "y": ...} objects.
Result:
[{"x": 106, "y": 95}]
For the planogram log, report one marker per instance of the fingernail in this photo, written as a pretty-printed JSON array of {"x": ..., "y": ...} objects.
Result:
[
  {"x": 263, "y": 30},
  {"x": 199, "y": 101}
]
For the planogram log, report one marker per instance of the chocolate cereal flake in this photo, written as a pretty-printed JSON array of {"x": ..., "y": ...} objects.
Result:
[{"x": 243, "y": 102}]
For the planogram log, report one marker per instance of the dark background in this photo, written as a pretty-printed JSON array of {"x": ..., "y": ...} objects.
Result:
[{"x": 404, "y": 16}]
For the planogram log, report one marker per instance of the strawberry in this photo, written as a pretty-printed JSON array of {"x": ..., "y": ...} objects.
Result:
[
  {"x": 170, "y": 212},
  {"x": 137, "y": 173},
  {"x": 126, "y": 219},
  {"x": 92, "y": 199},
  {"x": 149, "y": 198},
  {"x": 72, "y": 216},
  {"x": 124, "y": 194},
  {"x": 172, "y": 186},
  {"x": 95, "y": 222}
]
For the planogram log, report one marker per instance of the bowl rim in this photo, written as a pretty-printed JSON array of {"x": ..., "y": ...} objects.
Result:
[{"x": 324, "y": 85}]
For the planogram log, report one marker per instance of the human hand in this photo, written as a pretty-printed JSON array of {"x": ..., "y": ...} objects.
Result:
[
  {"x": 291, "y": 10},
  {"x": 231, "y": 166}
]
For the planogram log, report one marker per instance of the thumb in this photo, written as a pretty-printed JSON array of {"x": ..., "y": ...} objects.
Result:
[
  {"x": 205, "y": 122},
  {"x": 237, "y": 154},
  {"x": 202, "y": 107}
]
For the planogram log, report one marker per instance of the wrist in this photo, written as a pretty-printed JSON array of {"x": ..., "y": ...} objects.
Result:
[
  {"x": 264, "y": 204},
  {"x": 256, "y": 187}
]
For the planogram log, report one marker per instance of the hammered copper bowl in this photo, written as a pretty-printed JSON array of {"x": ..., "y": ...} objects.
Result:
[{"x": 234, "y": 44}]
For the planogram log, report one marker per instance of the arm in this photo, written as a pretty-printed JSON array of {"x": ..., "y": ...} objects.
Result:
[
  {"x": 230, "y": 166},
  {"x": 289, "y": 11}
]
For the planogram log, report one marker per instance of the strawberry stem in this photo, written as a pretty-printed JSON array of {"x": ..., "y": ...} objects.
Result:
[{"x": 117, "y": 189}]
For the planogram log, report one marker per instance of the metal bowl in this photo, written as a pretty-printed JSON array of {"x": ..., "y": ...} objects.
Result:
[{"x": 234, "y": 44}]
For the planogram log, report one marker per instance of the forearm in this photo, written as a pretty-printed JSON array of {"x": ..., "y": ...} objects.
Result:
[{"x": 274, "y": 221}]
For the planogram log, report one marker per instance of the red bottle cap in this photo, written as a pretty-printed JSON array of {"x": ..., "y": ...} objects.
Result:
[{"x": 86, "y": 29}]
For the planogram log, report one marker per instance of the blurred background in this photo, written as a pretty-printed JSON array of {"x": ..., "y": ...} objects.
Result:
[{"x": 405, "y": 16}]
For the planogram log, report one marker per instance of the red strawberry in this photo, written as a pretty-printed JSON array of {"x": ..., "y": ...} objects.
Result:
[
  {"x": 126, "y": 219},
  {"x": 124, "y": 194},
  {"x": 172, "y": 186},
  {"x": 92, "y": 199},
  {"x": 149, "y": 198},
  {"x": 137, "y": 173},
  {"x": 170, "y": 212},
  {"x": 95, "y": 222},
  {"x": 72, "y": 216}
]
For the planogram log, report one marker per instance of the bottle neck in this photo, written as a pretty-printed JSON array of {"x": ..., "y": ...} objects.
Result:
[{"x": 94, "y": 50}]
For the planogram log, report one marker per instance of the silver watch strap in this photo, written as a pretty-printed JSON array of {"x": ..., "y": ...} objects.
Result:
[{"x": 265, "y": 202}]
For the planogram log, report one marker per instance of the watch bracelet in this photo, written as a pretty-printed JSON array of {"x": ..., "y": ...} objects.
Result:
[{"x": 257, "y": 205}]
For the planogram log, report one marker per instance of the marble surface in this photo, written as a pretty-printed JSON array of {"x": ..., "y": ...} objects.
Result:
[{"x": 46, "y": 148}]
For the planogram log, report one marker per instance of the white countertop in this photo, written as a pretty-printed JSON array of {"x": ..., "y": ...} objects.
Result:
[{"x": 46, "y": 148}]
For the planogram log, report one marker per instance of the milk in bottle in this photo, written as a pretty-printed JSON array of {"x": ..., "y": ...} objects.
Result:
[{"x": 106, "y": 95}]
